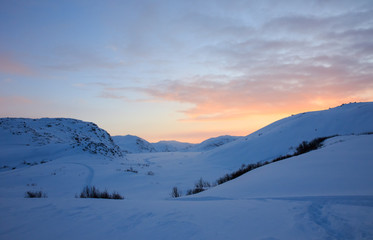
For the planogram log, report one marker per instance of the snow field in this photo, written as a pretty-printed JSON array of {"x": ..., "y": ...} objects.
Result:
[{"x": 323, "y": 194}]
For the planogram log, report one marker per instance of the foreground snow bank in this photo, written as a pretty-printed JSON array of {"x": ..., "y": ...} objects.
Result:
[
  {"x": 342, "y": 167},
  {"x": 287, "y": 218}
]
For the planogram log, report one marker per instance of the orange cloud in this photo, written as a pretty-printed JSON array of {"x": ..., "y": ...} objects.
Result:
[{"x": 242, "y": 97}]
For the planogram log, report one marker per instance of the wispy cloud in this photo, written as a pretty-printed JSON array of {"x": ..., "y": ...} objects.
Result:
[
  {"x": 111, "y": 95},
  {"x": 9, "y": 65},
  {"x": 242, "y": 97},
  {"x": 15, "y": 100},
  {"x": 297, "y": 62}
]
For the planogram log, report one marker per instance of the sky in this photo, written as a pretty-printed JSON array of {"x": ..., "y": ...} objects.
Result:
[{"x": 183, "y": 70}]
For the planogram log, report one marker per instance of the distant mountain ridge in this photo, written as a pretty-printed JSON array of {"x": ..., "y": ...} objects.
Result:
[
  {"x": 134, "y": 144},
  {"x": 58, "y": 135},
  {"x": 345, "y": 119}
]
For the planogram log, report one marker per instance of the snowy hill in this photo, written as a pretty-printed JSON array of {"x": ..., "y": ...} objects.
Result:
[
  {"x": 322, "y": 194},
  {"x": 283, "y": 136},
  {"x": 175, "y": 146},
  {"x": 213, "y": 143},
  {"x": 342, "y": 167},
  {"x": 133, "y": 144},
  {"x": 31, "y": 141},
  {"x": 172, "y": 146}
]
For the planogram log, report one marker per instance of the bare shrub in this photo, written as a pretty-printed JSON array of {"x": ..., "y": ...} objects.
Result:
[
  {"x": 93, "y": 192},
  {"x": 175, "y": 192},
  {"x": 37, "y": 194}
]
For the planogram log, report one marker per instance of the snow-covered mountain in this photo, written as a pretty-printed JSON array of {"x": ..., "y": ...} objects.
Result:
[
  {"x": 172, "y": 146},
  {"x": 31, "y": 141},
  {"x": 283, "y": 136},
  {"x": 133, "y": 144}
]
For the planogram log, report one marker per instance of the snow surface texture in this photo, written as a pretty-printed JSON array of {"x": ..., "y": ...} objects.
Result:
[
  {"x": 134, "y": 144},
  {"x": 323, "y": 194}
]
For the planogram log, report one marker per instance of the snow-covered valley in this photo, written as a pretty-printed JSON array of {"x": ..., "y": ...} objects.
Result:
[{"x": 322, "y": 194}]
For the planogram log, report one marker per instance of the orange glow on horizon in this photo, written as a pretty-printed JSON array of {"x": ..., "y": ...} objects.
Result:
[{"x": 236, "y": 125}]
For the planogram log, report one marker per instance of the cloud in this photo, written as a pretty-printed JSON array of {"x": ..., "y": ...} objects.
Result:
[
  {"x": 260, "y": 58},
  {"x": 287, "y": 63},
  {"x": 111, "y": 95},
  {"x": 8, "y": 101},
  {"x": 242, "y": 97},
  {"x": 7, "y": 80},
  {"x": 9, "y": 65}
]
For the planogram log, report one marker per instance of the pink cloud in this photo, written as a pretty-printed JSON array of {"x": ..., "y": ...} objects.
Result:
[
  {"x": 9, "y": 65},
  {"x": 111, "y": 95},
  {"x": 271, "y": 94},
  {"x": 15, "y": 99},
  {"x": 8, "y": 101}
]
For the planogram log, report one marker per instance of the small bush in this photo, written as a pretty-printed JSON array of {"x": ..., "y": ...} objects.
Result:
[
  {"x": 194, "y": 191},
  {"x": 244, "y": 169},
  {"x": 202, "y": 184},
  {"x": 199, "y": 186},
  {"x": 175, "y": 192},
  {"x": 38, "y": 194},
  {"x": 281, "y": 158},
  {"x": 131, "y": 170},
  {"x": 116, "y": 195},
  {"x": 305, "y": 147},
  {"x": 93, "y": 192}
]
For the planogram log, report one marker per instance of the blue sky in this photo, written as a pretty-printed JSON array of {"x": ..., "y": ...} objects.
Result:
[{"x": 184, "y": 70}]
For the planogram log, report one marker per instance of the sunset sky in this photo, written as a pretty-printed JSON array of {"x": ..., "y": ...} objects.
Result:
[{"x": 183, "y": 70}]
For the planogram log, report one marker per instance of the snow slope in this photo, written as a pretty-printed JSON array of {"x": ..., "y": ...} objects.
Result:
[
  {"x": 213, "y": 143},
  {"x": 283, "y": 136},
  {"x": 31, "y": 141},
  {"x": 342, "y": 167},
  {"x": 133, "y": 144},
  {"x": 172, "y": 146}
]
